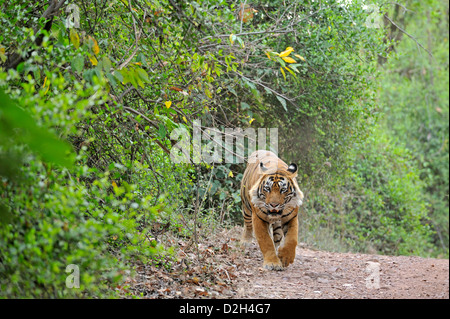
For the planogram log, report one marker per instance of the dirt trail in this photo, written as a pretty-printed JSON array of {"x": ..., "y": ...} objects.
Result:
[
  {"x": 226, "y": 270},
  {"x": 318, "y": 275}
]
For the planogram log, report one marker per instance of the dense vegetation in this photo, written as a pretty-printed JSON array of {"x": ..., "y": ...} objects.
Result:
[{"x": 358, "y": 92}]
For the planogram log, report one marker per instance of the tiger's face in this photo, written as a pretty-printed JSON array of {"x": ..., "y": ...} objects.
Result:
[{"x": 276, "y": 194}]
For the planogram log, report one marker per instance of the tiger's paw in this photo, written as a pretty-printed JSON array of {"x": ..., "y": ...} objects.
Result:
[
  {"x": 273, "y": 265},
  {"x": 246, "y": 242},
  {"x": 286, "y": 255}
]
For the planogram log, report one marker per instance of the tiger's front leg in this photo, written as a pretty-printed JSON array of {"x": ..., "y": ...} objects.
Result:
[
  {"x": 261, "y": 230},
  {"x": 286, "y": 253}
]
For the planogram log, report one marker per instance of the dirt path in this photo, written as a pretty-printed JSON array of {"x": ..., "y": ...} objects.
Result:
[
  {"x": 226, "y": 270},
  {"x": 319, "y": 275}
]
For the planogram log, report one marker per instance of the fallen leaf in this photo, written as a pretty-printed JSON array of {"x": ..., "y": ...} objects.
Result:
[{"x": 225, "y": 247}]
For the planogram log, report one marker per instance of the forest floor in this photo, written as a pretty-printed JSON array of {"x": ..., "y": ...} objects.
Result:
[{"x": 221, "y": 268}]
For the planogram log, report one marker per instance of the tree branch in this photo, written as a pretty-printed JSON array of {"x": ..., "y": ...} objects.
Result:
[{"x": 409, "y": 35}]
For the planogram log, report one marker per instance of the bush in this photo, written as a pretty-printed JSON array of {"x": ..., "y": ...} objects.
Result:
[{"x": 377, "y": 206}]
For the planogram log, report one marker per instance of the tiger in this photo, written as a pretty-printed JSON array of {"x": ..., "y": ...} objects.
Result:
[{"x": 271, "y": 199}]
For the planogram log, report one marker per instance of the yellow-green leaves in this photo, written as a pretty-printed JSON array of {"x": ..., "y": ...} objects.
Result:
[
  {"x": 283, "y": 58},
  {"x": 74, "y": 38},
  {"x": 93, "y": 60},
  {"x": 232, "y": 38},
  {"x": 291, "y": 72},
  {"x": 300, "y": 57},
  {"x": 46, "y": 84},
  {"x": 284, "y": 74},
  {"x": 2, "y": 54},
  {"x": 93, "y": 45},
  {"x": 286, "y": 52},
  {"x": 289, "y": 60},
  {"x": 134, "y": 75}
]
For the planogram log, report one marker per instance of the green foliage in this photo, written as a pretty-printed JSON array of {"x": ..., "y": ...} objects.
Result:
[
  {"x": 18, "y": 127},
  {"x": 378, "y": 204},
  {"x": 414, "y": 97},
  {"x": 392, "y": 195},
  {"x": 115, "y": 87}
]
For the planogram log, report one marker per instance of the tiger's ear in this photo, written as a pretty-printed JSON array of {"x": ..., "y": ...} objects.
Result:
[
  {"x": 292, "y": 168},
  {"x": 262, "y": 167}
]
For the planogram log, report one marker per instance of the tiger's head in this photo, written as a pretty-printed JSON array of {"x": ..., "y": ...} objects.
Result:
[{"x": 277, "y": 191}]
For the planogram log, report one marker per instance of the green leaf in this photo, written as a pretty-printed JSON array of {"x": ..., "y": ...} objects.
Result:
[
  {"x": 111, "y": 79},
  {"x": 283, "y": 64},
  {"x": 291, "y": 72},
  {"x": 18, "y": 124},
  {"x": 118, "y": 76},
  {"x": 282, "y": 101},
  {"x": 143, "y": 75},
  {"x": 232, "y": 38},
  {"x": 106, "y": 64},
  {"x": 241, "y": 42},
  {"x": 244, "y": 106},
  {"x": 77, "y": 63},
  {"x": 268, "y": 91},
  {"x": 161, "y": 131},
  {"x": 208, "y": 93}
]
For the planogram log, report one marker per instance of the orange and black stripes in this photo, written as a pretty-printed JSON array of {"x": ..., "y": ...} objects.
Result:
[{"x": 271, "y": 182}]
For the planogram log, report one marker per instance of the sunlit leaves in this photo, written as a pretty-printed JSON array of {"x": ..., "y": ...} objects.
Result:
[
  {"x": 300, "y": 57},
  {"x": 94, "y": 44},
  {"x": 283, "y": 58},
  {"x": 93, "y": 60},
  {"x": 232, "y": 38},
  {"x": 284, "y": 74},
  {"x": 286, "y": 52},
  {"x": 289, "y": 60}
]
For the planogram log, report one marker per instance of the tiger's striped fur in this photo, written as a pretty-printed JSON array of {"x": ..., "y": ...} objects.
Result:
[{"x": 270, "y": 202}]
